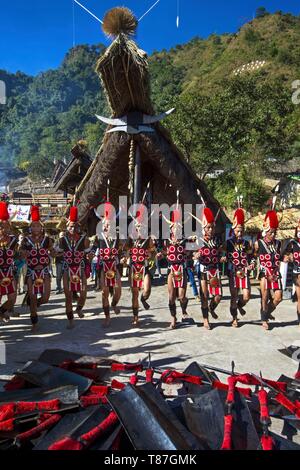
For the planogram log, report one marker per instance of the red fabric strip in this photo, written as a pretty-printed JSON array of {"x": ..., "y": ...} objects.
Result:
[
  {"x": 13, "y": 409},
  {"x": 134, "y": 379},
  {"x": 35, "y": 432},
  {"x": 248, "y": 379},
  {"x": 66, "y": 444},
  {"x": 267, "y": 443},
  {"x": 7, "y": 411},
  {"x": 117, "y": 385},
  {"x": 149, "y": 375},
  {"x": 231, "y": 389},
  {"x": 246, "y": 392},
  {"x": 99, "y": 390},
  {"x": 88, "y": 438},
  {"x": 263, "y": 401},
  {"x": 228, "y": 422},
  {"x": 288, "y": 404},
  {"x": 127, "y": 367},
  {"x": 7, "y": 425},
  {"x": 171, "y": 377},
  {"x": 99, "y": 430},
  {"x": 24, "y": 407}
]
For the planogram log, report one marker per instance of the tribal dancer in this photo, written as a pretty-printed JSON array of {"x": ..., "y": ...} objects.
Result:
[
  {"x": 37, "y": 249},
  {"x": 8, "y": 248},
  {"x": 108, "y": 247},
  {"x": 293, "y": 251},
  {"x": 139, "y": 275},
  {"x": 75, "y": 247},
  {"x": 240, "y": 264},
  {"x": 268, "y": 250},
  {"x": 209, "y": 257},
  {"x": 177, "y": 276}
]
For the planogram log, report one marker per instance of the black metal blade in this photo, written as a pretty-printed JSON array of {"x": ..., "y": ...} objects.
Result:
[
  {"x": 283, "y": 444},
  {"x": 290, "y": 352},
  {"x": 67, "y": 394},
  {"x": 205, "y": 419},
  {"x": 74, "y": 425},
  {"x": 44, "y": 375},
  {"x": 149, "y": 421}
]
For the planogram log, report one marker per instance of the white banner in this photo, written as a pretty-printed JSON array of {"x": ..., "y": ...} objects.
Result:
[{"x": 19, "y": 213}]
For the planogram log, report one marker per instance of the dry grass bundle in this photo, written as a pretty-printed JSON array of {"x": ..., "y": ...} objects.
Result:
[
  {"x": 123, "y": 69},
  {"x": 119, "y": 20}
]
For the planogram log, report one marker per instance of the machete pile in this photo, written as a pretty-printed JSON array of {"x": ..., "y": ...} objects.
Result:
[{"x": 66, "y": 401}]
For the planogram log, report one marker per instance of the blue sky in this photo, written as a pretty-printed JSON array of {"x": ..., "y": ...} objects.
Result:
[{"x": 36, "y": 34}]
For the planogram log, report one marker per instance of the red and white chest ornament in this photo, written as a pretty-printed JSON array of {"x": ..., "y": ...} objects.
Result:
[
  {"x": 7, "y": 283},
  {"x": 296, "y": 254},
  {"x": 176, "y": 254},
  {"x": 209, "y": 256},
  {"x": 269, "y": 264}
]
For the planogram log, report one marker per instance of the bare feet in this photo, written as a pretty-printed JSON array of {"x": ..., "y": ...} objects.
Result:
[
  {"x": 235, "y": 323},
  {"x": 173, "y": 323},
  {"x": 185, "y": 316},
  {"x": 79, "y": 312},
  {"x": 4, "y": 318},
  {"x": 117, "y": 309},
  {"x": 106, "y": 322},
  {"x": 206, "y": 324},
  {"x": 265, "y": 325},
  {"x": 242, "y": 311},
  {"x": 135, "y": 321},
  {"x": 145, "y": 303},
  {"x": 214, "y": 315}
]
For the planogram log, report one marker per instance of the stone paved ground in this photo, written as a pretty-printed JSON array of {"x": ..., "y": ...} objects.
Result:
[{"x": 252, "y": 348}]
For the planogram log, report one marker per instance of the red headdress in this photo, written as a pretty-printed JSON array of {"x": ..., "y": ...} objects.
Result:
[
  {"x": 208, "y": 217},
  {"x": 35, "y": 214},
  {"x": 238, "y": 218},
  {"x": 271, "y": 221},
  {"x": 73, "y": 216},
  {"x": 140, "y": 213},
  {"x": 4, "y": 215},
  {"x": 176, "y": 216},
  {"x": 108, "y": 211}
]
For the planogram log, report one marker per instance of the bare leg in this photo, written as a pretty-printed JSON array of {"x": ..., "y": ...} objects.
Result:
[
  {"x": 146, "y": 292},
  {"x": 233, "y": 302},
  {"x": 135, "y": 305},
  {"x": 204, "y": 304},
  {"x": 105, "y": 302},
  {"x": 69, "y": 299},
  {"x": 172, "y": 301},
  {"x": 117, "y": 294},
  {"x": 183, "y": 300},
  {"x": 33, "y": 305},
  {"x": 82, "y": 297},
  {"x": 47, "y": 290},
  {"x": 264, "y": 304}
]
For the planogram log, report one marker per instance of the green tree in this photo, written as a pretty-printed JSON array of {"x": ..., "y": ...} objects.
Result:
[{"x": 261, "y": 12}]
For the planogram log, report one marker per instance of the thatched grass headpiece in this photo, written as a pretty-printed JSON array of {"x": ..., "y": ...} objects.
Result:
[{"x": 119, "y": 20}]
